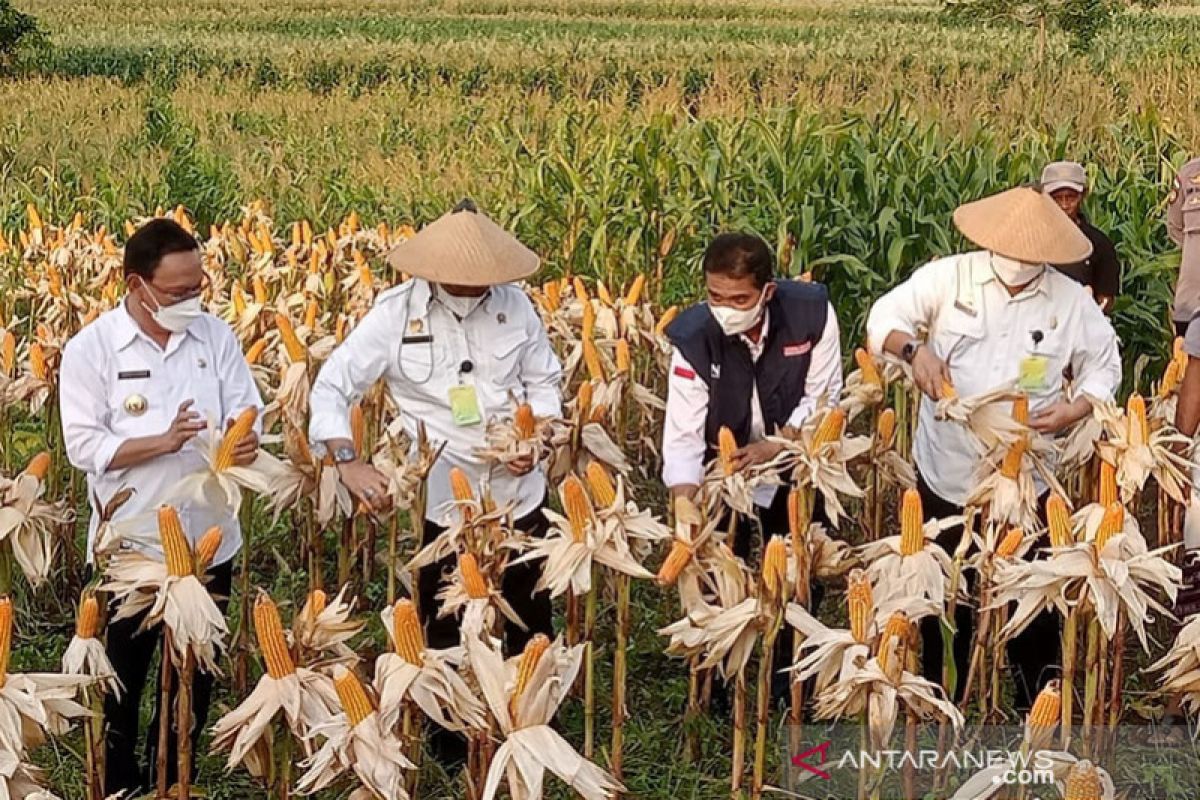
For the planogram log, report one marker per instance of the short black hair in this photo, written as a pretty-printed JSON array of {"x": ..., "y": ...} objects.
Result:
[
  {"x": 740, "y": 254},
  {"x": 151, "y": 242}
]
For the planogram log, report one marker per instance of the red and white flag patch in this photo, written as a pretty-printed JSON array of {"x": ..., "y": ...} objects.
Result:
[
  {"x": 684, "y": 372},
  {"x": 790, "y": 350}
]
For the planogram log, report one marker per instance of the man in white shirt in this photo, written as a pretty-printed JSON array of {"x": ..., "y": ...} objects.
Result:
[
  {"x": 137, "y": 387},
  {"x": 457, "y": 345},
  {"x": 994, "y": 317}
]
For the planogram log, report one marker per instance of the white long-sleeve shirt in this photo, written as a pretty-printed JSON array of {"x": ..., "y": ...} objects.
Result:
[
  {"x": 111, "y": 361},
  {"x": 511, "y": 358},
  {"x": 687, "y": 405},
  {"x": 983, "y": 333}
]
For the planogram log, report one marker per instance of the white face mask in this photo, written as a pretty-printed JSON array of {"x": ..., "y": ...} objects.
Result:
[
  {"x": 1015, "y": 273},
  {"x": 738, "y": 320},
  {"x": 459, "y": 305},
  {"x": 176, "y": 317}
]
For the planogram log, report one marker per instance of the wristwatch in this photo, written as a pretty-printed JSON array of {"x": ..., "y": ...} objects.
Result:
[
  {"x": 909, "y": 351},
  {"x": 344, "y": 455}
]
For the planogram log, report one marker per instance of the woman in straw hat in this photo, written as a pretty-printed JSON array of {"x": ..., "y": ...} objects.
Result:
[{"x": 996, "y": 318}]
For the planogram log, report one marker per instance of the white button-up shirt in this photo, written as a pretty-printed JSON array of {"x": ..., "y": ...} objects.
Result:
[
  {"x": 512, "y": 361},
  {"x": 111, "y": 361},
  {"x": 984, "y": 334},
  {"x": 687, "y": 406}
]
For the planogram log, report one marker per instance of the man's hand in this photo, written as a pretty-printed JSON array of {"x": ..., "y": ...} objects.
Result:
[
  {"x": 184, "y": 427},
  {"x": 366, "y": 483},
  {"x": 754, "y": 454},
  {"x": 246, "y": 450},
  {"x": 930, "y": 372},
  {"x": 521, "y": 466},
  {"x": 1059, "y": 416}
]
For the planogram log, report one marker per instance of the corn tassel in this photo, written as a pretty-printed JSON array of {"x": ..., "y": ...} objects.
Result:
[
  {"x": 1139, "y": 426},
  {"x": 678, "y": 558},
  {"x": 473, "y": 580},
  {"x": 535, "y": 648},
  {"x": 241, "y": 428},
  {"x": 912, "y": 534},
  {"x": 601, "y": 484},
  {"x": 577, "y": 506},
  {"x": 1009, "y": 544},
  {"x": 861, "y": 603},
  {"x": 287, "y": 334},
  {"x": 352, "y": 695},
  {"x": 87, "y": 619},
  {"x": 268, "y": 630},
  {"x": 634, "y": 295},
  {"x": 1112, "y": 523},
  {"x": 866, "y": 367},
  {"x": 176, "y": 553},
  {"x": 1083, "y": 782},
  {"x": 409, "y": 639},
  {"x": 831, "y": 428},
  {"x": 38, "y": 466},
  {"x": 1059, "y": 522},
  {"x": 6, "y": 626},
  {"x": 524, "y": 421},
  {"x": 774, "y": 569},
  {"x": 1108, "y": 484},
  {"x": 726, "y": 447}
]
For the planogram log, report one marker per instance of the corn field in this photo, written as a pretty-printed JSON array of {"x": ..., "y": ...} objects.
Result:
[{"x": 301, "y": 141}]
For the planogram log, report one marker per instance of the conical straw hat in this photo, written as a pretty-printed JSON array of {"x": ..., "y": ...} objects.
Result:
[
  {"x": 1025, "y": 225},
  {"x": 464, "y": 248}
]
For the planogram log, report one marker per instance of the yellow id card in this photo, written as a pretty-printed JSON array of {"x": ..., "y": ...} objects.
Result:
[
  {"x": 1032, "y": 374},
  {"x": 464, "y": 405}
]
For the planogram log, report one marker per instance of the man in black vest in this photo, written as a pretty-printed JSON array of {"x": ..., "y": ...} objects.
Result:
[{"x": 757, "y": 356}]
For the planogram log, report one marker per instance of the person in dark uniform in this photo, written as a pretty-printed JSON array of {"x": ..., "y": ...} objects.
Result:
[{"x": 1066, "y": 182}]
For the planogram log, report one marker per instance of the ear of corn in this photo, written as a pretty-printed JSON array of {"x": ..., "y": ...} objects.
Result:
[
  {"x": 287, "y": 335},
  {"x": 599, "y": 413},
  {"x": 1009, "y": 544},
  {"x": 666, "y": 319},
  {"x": 726, "y": 447},
  {"x": 1010, "y": 467},
  {"x": 634, "y": 295},
  {"x": 581, "y": 292},
  {"x": 1083, "y": 782},
  {"x": 885, "y": 429},
  {"x": 553, "y": 295},
  {"x": 623, "y": 359},
  {"x": 1139, "y": 425},
  {"x": 355, "y": 701},
  {"x": 206, "y": 549},
  {"x": 861, "y": 605},
  {"x": 912, "y": 534},
  {"x": 1108, "y": 484},
  {"x": 37, "y": 361},
  {"x": 38, "y": 466},
  {"x": 460, "y": 485},
  {"x": 866, "y": 367},
  {"x": 678, "y": 557},
  {"x": 577, "y": 506},
  {"x": 1046, "y": 708},
  {"x": 233, "y": 437},
  {"x": 895, "y": 635},
  {"x": 268, "y": 630},
  {"x": 601, "y": 484},
  {"x": 948, "y": 390},
  {"x": 591, "y": 357},
  {"x": 87, "y": 619},
  {"x": 259, "y": 288},
  {"x": 799, "y": 514},
  {"x": 524, "y": 421},
  {"x": 583, "y": 399},
  {"x": 535, "y": 648},
  {"x": 8, "y": 353},
  {"x": 255, "y": 353},
  {"x": 6, "y": 626},
  {"x": 358, "y": 427},
  {"x": 1112, "y": 523},
  {"x": 473, "y": 580},
  {"x": 1170, "y": 381},
  {"x": 176, "y": 553},
  {"x": 831, "y": 428},
  {"x": 409, "y": 638},
  {"x": 603, "y": 293},
  {"x": 1020, "y": 409},
  {"x": 1059, "y": 521},
  {"x": 774, "y": 568}
]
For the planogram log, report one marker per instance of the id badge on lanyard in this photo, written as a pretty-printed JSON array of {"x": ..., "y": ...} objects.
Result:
[{"x": 464, "y": 405}]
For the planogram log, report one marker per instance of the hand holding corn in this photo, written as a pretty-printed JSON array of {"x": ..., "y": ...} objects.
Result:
[
  {"x": 754, "y": 454},
  {"x": 245, "y": 450}
]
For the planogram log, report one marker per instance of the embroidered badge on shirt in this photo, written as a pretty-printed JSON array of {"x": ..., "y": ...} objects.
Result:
[
  {"x": 791, "y": 350},
  {"x": 135, "y": 405},
  {"x": 684, "y": 372}
]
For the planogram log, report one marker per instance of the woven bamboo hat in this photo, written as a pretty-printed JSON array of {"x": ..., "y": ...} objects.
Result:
[
  {"x": 464, "y": 248},
  {"x": 1025, "y": 225}
]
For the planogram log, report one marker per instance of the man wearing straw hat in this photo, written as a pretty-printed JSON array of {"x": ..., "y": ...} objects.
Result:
[
  {"x": 456, "y": 345},
  {"x": 995, "y": 317}
]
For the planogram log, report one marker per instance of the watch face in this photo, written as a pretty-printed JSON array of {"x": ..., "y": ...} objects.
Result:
[{"x": 344, "y": 454}]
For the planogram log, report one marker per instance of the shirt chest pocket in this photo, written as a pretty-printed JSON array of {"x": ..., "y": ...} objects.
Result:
[
  {"x": 134, "y": 407},
  {"x": 958, "y": 333},
  {"x": 504, "y": 367}
]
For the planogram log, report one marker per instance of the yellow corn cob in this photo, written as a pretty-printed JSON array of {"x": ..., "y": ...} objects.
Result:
[
  {"x": 1009, "y": 544},
  {"x": 1108, "y": 484},
  {"x": 87, "y": 619},
  {"x": 583, "y": 400},
  {"x": 1139, "y": 426},
  {"x": 35, "y": 219},
  {"x": 1020, "y": 409},
  {"x": 8, "y": 353},
  {"x": 524, "y": 422},
  {"x": 287, "y": 334},
  {"x": 1083, "y": 782},
  {"x": 1011, "y": 466},
  {"x": 297, "y": 238},
  {"x": 358, "y": 427},
  {"x": 240, "y": 429},
  {"x": 774, "y": 568},
  {"x": 339, "y": 331},
  {"x": 6, "y": 625},
  {"x": 726, "y": 447},
  {"x": 175, "y": 547},
  {"x": 260, "y": 290},
  {"x": 861, "y": 605},
  {"x": 44, "y": 334},
  {"x": 867, "y": 368},
  {"x": 352, "y": 695},
  {"x": 535, "y": 648},
  {"x": 577, "y": 506},
  {"x": 634, "y": 295},
  {"x": 1046, "y": 708},
  {"x": 256, "y": 351},
  {"x": 666, "y": 243},
  {"x": 898, "y": 628},
  {"x": 37, "y": 361},
  {"x": 206, "y": 549},
  {"x": 622, "y": 357},
  {"x": 831, "y": 428},
  {"x": 317, "y": 600},
  {"x": 601, "y": 484},
  {"x": 1112, "y": 523},
  {"x": 38, "y": 466},
  {"x": 460, "y": 485},
  {"x": 912, "y": 534},
  {"x": 473, "y": 580},
  {"x": 1059, "y": 519},
  {"x": 581, "y": 291},
  {"x": 678, "y": 557},
  {"x": 1170, "y": 380},
  {"x": 885, "y": 428},
  {"x": 237, "y": 298},
  {"x": 948, "y": 390},
  {"x": 553, "y": 296},
  {"x": 54, "y": 280},
  {"x": 310, "y": 315},
  {"x": 666, "y": 319},
  {"x": 591, "y": 357},
  {"x": 407, "y": 633},
  {"x": 599, "y": 413},
  {"x": 797, "y": 528},
  {"x": 352, "y": 222},
  {"x": 268, "y": 630},
  {"x": 90, "y": 316},
  {"x": 603, "y": 293}
]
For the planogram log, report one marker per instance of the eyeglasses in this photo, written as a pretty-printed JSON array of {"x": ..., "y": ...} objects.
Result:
[{"x": 172, "y": 299}]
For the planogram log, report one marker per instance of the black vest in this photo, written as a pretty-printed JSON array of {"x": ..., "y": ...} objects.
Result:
[{"x": 796, "y": 319}]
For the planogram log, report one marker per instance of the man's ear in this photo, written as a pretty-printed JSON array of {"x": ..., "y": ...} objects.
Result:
[{"x": 768, "y": 292}]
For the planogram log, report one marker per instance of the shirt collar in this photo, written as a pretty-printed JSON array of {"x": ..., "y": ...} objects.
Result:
[
  {"x": 128, "y": 329},
  {"x": 983, "y": 274},
  {"x": 423, "y": 295},
  {"x": 762, "y": 336}
]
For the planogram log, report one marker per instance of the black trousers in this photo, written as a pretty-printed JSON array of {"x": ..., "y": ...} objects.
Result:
[
  {"x": 1033, "y": 655},
  {"x": 534, "y": 608},
  {"x": 131, "y": 654}
]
